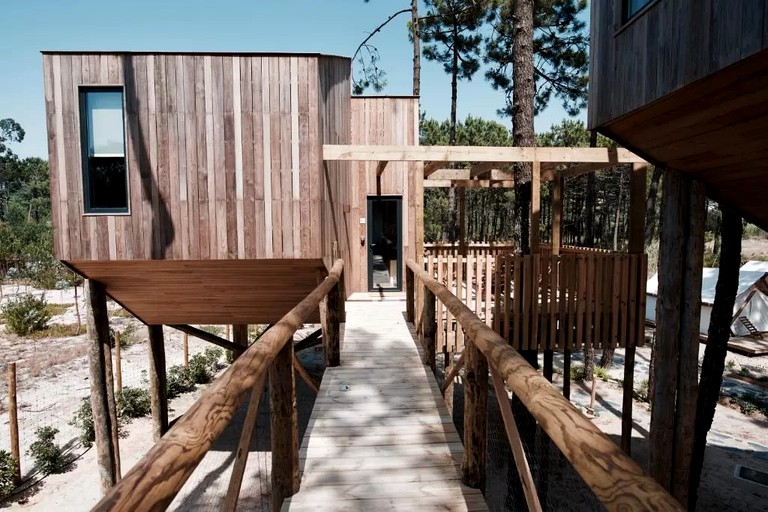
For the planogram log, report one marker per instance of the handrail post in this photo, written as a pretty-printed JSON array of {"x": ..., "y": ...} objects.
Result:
[
  {"x": 475, "y": 416},
  {"x": 429, "y": 328},
  {"x": 409, "y": 295},
  {"x": 331, "y": 311},
  {"x": 284, "y": 427}
]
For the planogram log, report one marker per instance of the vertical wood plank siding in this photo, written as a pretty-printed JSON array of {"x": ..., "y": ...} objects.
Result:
[
  {"x": 672, "y": 44},
  {"x": 224, "y": 156},
  {"x": 383, "y": 120}
]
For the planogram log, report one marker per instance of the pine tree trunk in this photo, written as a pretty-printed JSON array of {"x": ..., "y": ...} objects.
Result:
[
  {"x": 416, "y": 48},
  {"x": 719, "y": 332},
  {"x": 618, "y": 214},
  {"x": 589, "y": 364},
  {"x": 522, "y": 113},
  {"x": 453, "y": 222},
  {"x": 650, "y": 206}
]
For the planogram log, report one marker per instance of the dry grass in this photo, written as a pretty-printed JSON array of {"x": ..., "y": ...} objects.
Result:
[
  {"x": 58, "y": 331},
  {"x": 58, "y": 309},
  {"x": 121, "y": 313},
  {"x": 53, "y": 358}
]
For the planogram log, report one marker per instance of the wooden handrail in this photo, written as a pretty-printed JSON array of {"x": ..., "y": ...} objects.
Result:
[
  {"x": 617, "y": 481},
  {"x": 156, "y": 479}
]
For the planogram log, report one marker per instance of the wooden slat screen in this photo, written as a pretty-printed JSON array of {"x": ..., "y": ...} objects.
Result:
[{"x": 571, "y": 301}]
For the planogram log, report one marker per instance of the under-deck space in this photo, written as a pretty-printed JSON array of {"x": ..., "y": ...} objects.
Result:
[{"x": 380, "y": 436}]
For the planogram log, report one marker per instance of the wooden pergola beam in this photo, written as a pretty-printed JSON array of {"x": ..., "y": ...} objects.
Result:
[
  {"x": 469, "y": 183},
  {"x": 483, "y": 168},
  {"x": 505, "y": 154},
  {"x": 380, "y": 167},
  {"x": 464, "y": 174},
  {"x": 430, "y": 167}
]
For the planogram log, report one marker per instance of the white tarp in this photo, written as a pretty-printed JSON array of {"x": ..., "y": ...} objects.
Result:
[{"x": 756, "y": 310}]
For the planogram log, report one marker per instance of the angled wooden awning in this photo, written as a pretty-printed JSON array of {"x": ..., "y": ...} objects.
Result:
[{"x": 486, "y": 162}]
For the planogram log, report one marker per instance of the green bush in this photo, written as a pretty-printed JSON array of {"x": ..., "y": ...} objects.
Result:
[
  {"x": 26, "y": 314},
  {"x": 49, "y": 457},
  {"x": 179, "y": 381},
  {"x": 133, "y": 403},
  {"x": 7, "y": 473},
  {"x": 641, "y": 393},
  {"x": 601, "y": 373},
  {"x": 577, "y": 373},
  {"x": 229, "y": 356},
  {"x": 84, "y": 421}
]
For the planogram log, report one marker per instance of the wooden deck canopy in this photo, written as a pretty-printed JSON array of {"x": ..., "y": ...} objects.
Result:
[{"x": 487, "y": 170}]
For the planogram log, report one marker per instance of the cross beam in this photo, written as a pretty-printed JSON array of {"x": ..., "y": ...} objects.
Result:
[{"x": 505, "y": 154}]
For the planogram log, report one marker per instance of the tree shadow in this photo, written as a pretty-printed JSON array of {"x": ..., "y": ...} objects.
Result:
[{"x": 163, "y": 232}]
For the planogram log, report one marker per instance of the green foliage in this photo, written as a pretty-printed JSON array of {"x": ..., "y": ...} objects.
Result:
[
  {"x": 26, "y": 314},
  {"x": 752, "y": 231},
  {"x": 10, "y": 131},
  {"x": 83, "y": 420},
  {"x": 203, "y": 366},
  {"x": 710, "y": 258},
  {"x": 48, "y": 455},
  {"x": 560, "y": 49},
  {"x": 601, "y": 373},
  {"x": 577, "y": 373},
  {"x": 641, "y": 393},
  {"x": 133, "y": 402},
  {"x": 179, "y": 381},
  {"x": 7, "y": 473},
  {"x": 749, "y": 404},
  {"x": 730, "y": 364},
  {"x": 229, "y": 356}
]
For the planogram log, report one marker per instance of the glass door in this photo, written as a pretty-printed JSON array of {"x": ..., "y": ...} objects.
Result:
[{"x": 385, "y": 243}]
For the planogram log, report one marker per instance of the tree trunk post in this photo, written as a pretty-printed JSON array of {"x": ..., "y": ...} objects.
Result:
[
  {"x": 331, "y": 310},
  {"x": 98, "y": 338},
  {"x": 678, "y": 311},
  {"x": 186, "y": 350},
  {"x": 240, "y": 337},
  {"x": 112, "y": 403},
  {"x": 284, "y": 427},
  {"x": 475, "y": 417},
  {"x": 429, "y": 329},
  {"x": 13, "y": 421},
  {"x": 637, "y": 206},
  {"x": 719, "y": 333},
  {"x": 410, "y": 295},
  {"x": 157, "y": 381}
]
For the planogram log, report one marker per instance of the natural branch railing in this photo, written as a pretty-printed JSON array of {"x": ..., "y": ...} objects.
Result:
[
  {"x": 156, "y": 479},
  {"x": 617, "y": 481}
]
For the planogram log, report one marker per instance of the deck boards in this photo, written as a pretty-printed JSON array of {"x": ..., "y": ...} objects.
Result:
[{"x": 380, "y": 437}]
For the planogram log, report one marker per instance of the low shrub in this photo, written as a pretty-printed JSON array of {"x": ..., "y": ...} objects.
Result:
[
  {"x": 7, "y": 473},
  {"x": 26, "y": 314},
  {"x": 179, "y": 381},
  {"x": 48, "y": 455},
  {"x": 58, "y": 331},
  {"x": 577, "y": 373},
  {"x": 641, "y": 393},
  {"x": 601, "y": 373},
  {"x": 133, "y": 403},
  {"x": 84, "y": 421}
]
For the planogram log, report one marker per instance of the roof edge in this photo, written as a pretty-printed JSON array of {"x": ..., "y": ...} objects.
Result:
[{"x": 212, "y": 53}]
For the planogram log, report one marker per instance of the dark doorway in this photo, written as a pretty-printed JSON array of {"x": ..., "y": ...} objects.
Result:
[{"x": 385, "y": 244}]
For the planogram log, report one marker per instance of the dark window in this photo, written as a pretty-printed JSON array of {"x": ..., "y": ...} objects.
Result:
[
  {"x": 632, "y": 7},
  {"x": 105, "y": 180}
]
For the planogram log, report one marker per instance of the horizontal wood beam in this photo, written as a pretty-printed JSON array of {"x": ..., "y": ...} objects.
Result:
[
  {"x": 206, "y": 336},
  {"x": 483, "y": 168},
  {"x": 469, "y": 183},
  {"x": 380, "y": 168},
  {"x": 464, "y": 174},
  {"x": 506, "y": 154},
  {"x": 430, "y": 167}
]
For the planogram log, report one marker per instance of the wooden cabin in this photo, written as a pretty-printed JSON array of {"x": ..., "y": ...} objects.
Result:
[
  {"x": 193, "y": 185},
  {"x": 684, "y": 83}
]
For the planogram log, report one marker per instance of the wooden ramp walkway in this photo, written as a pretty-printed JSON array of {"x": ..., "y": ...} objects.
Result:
[{"x": 380, "y": 437}]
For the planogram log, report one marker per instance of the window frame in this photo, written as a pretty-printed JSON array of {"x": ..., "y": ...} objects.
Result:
[
  {"x": 626, "y": 17},
  {"x": 84, "y": 127}
]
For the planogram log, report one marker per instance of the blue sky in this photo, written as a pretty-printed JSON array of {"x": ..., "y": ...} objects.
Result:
[{"x": 328, "y": 26}]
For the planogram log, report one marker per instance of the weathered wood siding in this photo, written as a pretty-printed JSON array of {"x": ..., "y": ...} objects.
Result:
[
  {"x": 672, "y": 44},
  {"x": 375, "y": 121},
  {"x": 223, "y": 155}
]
